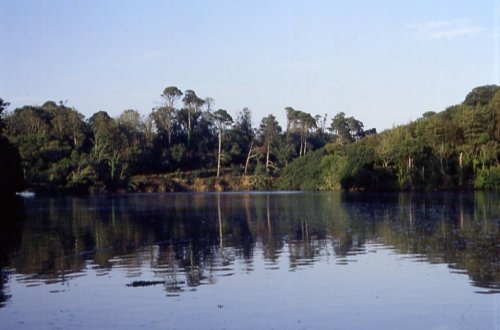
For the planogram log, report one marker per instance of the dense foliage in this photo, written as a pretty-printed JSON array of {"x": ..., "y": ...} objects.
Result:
[
  {"x": 11, "y": 176},
  {"x": 456, "y": 148},
  {"x": 185, "y": 138}
]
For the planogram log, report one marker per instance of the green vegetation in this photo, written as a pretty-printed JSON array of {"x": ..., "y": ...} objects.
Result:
[
  {"x": 455, "y": 149},
  {"x": 190, "y": 147},
  {"x": 305, "y": 173},
  {"x": 56, "y": 149}
]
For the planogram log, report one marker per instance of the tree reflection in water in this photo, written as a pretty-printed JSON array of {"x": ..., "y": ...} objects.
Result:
[
  {"x": 189, "y": 240},
  {"x": 11, "y": 224}
]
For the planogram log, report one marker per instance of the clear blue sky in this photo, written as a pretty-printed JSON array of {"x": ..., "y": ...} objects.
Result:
[{"x": 384, "y": 62}]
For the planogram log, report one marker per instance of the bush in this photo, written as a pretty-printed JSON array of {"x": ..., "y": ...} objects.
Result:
[
  {"x": 334, "y": 169},
  {"x": 304, "y": 173},
  {"x": 488, "y": 178}
]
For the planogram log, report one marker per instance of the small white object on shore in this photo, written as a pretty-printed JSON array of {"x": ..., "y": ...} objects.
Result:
[{"x": 26, "y": 194}]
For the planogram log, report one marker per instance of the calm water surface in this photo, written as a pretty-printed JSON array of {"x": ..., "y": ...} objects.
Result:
[{"x": 252, "y": 261}]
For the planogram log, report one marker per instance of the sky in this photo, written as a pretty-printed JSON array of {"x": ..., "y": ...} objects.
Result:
[{"x": 383, "y": 62}]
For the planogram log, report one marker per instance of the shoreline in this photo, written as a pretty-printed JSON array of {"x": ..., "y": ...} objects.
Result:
[{"x": 175, "y": 183}]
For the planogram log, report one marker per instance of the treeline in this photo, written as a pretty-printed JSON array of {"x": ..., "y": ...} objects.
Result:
[
  {"x": 458, "y": 148},
  {"x": 61, "y": 150},
  {"x": 53, "y": 147}
]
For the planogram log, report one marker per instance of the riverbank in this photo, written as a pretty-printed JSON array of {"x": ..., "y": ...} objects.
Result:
[{"x": 188, "y": 183}]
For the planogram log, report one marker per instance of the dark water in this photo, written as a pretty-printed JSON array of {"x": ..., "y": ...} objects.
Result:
[{"x": 252, "y": 261}]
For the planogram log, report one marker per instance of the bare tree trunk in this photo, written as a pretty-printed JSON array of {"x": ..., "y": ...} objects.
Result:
[
  {"x": 268, "y": 208},
  {"x": 267, "y": 157},
  {"x": 248, "y": 157},
  {"x": 301, "y": 144},
  {"x": 189, "y": 127},
  {"x": 460, "y": 163},
  {"x": 410, "y": 167},
  {"x": 219, "y": 154}
]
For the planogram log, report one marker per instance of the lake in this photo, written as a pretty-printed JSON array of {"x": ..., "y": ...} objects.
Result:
[{"x": 252, "y": 261}]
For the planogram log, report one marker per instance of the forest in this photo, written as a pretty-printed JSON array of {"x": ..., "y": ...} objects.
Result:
[{"x": 186, "y": 145}]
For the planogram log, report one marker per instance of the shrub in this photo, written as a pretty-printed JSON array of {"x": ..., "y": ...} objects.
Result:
[{"x": 488, "y": 178}]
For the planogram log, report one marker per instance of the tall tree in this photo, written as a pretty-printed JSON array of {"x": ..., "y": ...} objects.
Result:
[
  {"x": 355, "y": 128},
  {"x": 270, "y": 132},
  {"x": 306, "y": 123},
  {"x": 29, "y": 121},
  {"x": 346, "y": 130},
  {"x": 165, "y": 115},
  {"x": 240, "y": 137},
  {"x": 291, "y": 119},
  {"x": 67, "y": 124},
  {"x": 130, "y": 123},
  {"x": 301, "y": 123},
  {"x": 193, "y": 105},
  {"x": 171, "y": 94},
  {"x": 221, "y": 120},
  {"x": 209, "y": 103},
  {"x": 340, "y": 128},
  {"x": 100, "y": 124},
  {"x": 385, "y": 148},
  {"x": 131, "y": 119},
  {"x": 111, "y": 149}
]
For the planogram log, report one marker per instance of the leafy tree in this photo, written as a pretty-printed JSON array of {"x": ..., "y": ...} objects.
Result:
[
  {"x": 341, "y": 130},
  {"x": 385, "y": 149},
  {"x": 28, "y": 129},
  {"x": 360, "y": 170},
  {"x": 481, "y": 95},
  {"x": 241, "y": 139},
  {"x": 147, "y": 128},
  {"x": 193, "y": 106},
  {"x": 100, "y": 124},
  {"x": 131, "y": 121},
  {"x": 270, "y": 133},
  {"x": 355, "y": 128},
  {"x": 137, "y": 150},
  {"x": 165, "y": 115},
  {"x": 306, "y": 123},
  {"x": 29, "y": 121},
  {"x": 495, "y": 111},
  {"x": 67, "y": 125},
  {"x": 456, "y": 148},
  {"x": 302, "y": 123},
  {"x": 112, "y": 151}
]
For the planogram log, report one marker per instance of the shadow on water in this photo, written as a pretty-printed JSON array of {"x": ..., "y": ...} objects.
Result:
[
  {"x": 11, "y": 222},
  {"x": 190, "y": 239}
]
